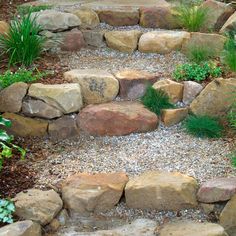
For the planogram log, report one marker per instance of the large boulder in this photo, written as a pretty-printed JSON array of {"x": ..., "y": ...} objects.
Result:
[
  {"x": 133, "y": 83},
  {"x": 161, "y": 191},
  {"x": 228, "y": 216},
  {"x": 215, "y": 99},
  {"x": 217, "y": 190},
  {"x": 173, "y": 89},
  {"x": 56, "y": 21},
  {"x": 84, "y": 193},
  {"x": 24, "y": 126},
  {"x": 12, "y": 96},
  {"x": 4, "y": 27},
  {"x": 37, "y": 205},
  {"x": 173, "y": 116},
  {"x": 94, "y": 38},
  {"x": 124, "y": 41},
  {"x": 184, "y": 228},
  {"x": 191, "y": 90},
  {"x": 217, "y": 14},
  {"x": 97, "y": 86},
  {"x": 38, "y": 108},
  {"x": 117, "y": 118},
  {"x": 65, "y": 97},
  {"x": 229, "y": 25},
  {"x": 119, "y": 17},
  {"x": 158, "y": 17},
  {"x": 162, "y": 41},
  {"x": 21, "y": 228}
]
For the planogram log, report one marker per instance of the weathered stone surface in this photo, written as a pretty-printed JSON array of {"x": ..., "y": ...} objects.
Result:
[
  {"x": 94, "y": 38},
  {"x": 184, "y": 228},
  {"x": 191, "y": 90},
  {"x": 89, "y": 18},
  {"x": 139, "y": 227},
  {"x": 216, "y": 190},
  {"x": 172, "y": 88},
  {"x": 228, "y": 217},
  {"x": 158, "y": 17},
  {"x": 4, "y": 27},
  {"x": 97, "y": 86},
  {"x": 161, "y": 191},
  {"x": 12, "y": 96},
  {"x": 218, "y": 13},
  {"x": 65, "y": 97},
  {"x": 133, "y": 83},
  {"x": 117, "y": 118},
  {"x": 73, "y": 41},
  {"x": 162, "y": 41},
  {"x": 124, "y": 41},
  {"x": 56, "y": 21},
  {"x": 37, "y": 205},
  {"x": 85, "y": 193},
  {"x": 119, "y": 17},
  {"x": 24, "y": 126},
  {"x": 62, "y": 128},
  {"x": 230, "y": 24},
  {"x": 200, "y": 40},
  {"x": 38, "y": 108},
  {"x": 215, "y": 99},
  {"x": 21, "y": 228},
  {"x": 173, "y": 116}
]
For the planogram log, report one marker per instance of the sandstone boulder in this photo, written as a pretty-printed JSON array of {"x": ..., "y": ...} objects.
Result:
[
  {"x": 94, "y": 38},
  {"x": 229, "y": 25},
  {"x": 182, "y": 228},
  {"x": 12, "y": 96},
  {"x": 133, "y": 83},
  {"x": 97, "y": 86},
  {"x": 172, "y": 88},
  {"x": 173, "y": 116},
  {"x": 21, "y": 228},
  {"x": 37, "y": 205},
  {"x": 84, "y": 193},
  {"x": 124, "y": 41},
  {"x": 161, "y": 191},
  {"x": 191, "y": 90},
  {"x": 65, "y": 97},
  {"x": 56, "y": 21},
  {"x": 215, "y": 99},
  {"x": 216, "y": 190},
  {"x": 24, "y": 126},
  {"x": 162, "y": 41},
  {"x": 4, "y": 27},
  {"x": 117, "y": 118}
]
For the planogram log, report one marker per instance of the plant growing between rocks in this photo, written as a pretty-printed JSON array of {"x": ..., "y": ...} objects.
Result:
[{"x": 7, "y": 208}]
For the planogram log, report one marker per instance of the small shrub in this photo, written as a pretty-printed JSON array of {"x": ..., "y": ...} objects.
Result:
[
  {"x": 196, "y": 72},
  {"x": 203, "y": 126},
  {"x": 156, "y": 100},
  {"x": 25, "y": 9},
  {"x": 23, "y": 44},
  {"x": 6, "y": 143},
  {"x": 7, "y": 208},
  {"x": 191, "y": 17}
]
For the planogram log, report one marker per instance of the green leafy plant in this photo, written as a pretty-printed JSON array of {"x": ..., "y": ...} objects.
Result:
[
  {"x": 25, "y": 9},
  {"x": 196, "y": 72},
  {"x": 6, "y": 143},
  {"x": 7, "y": 208},
  {"x": 21, "y": 75},
  {"x": 23, "y": 44},
  {"x": 232, "y": 112},
  {"x": 203, "y": 126},
  {"x": 156, "y": 100},
  {"x": 191, "y": 17}
]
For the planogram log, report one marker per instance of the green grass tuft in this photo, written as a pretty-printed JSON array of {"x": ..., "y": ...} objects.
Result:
[
  {"x": 156, "y": 100},
  {"x": 203, "y": 126}
]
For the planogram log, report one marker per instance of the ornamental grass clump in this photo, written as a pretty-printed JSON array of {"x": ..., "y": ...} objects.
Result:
[
  {"x": 203, "y": 126},
  {"x": 23, "y": 44},
  {"x": 156, "y": 100}
]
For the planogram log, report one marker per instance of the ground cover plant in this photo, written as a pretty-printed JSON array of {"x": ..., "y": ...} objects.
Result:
[
  {"x": 156, "y": 100},
  {"x": 197, "y": 72},
  {"x": 232, "y": 157},
  {"x": 7, "y": 208},
  {"x": 25, "y": 9},
  {"x": 203, "y": 126},
  {"x": 23, "y": 44}
]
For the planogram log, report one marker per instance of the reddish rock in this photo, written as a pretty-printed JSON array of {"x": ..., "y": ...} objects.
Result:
[
  {"x": 117, "y": 118},
  {"x": 73, "y": 41},
  {"x": 216, "y": 190},
  {"x": 133, "y": 83}
]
